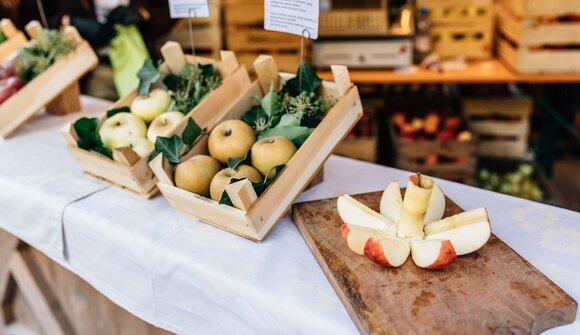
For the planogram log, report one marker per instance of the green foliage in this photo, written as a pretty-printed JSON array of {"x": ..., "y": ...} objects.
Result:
[
  {"x": 296, "y": 134},
  {"x": 259, "y": 187},
  {"x": 175, "y": 146},
  {"x": 36, "y": 58},
  {"x": 233, "y": 163},
  {"x": 148, "y": 75},
  {"x": 2, "y": 38},
  {"x": 192, "y": 85},
  {"x": 88, "y": 136},
  {"x": 114, "y": 111}
]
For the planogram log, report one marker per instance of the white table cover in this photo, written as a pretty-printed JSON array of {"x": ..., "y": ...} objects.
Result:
[{"x": 190, "y": 278}]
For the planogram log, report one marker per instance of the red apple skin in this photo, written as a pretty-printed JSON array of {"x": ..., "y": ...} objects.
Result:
[
  {"x": 407, "y": 132},
  {"x": 399, "y": 119},
  {"x": 344, "y": 230},
  {"x": 453, "y": 123},
  {"x": 374, "y": 252},
  {"x": 445, "y": 135},
  {"x": 447, "y": 256},
  {"x": 433, "y": 118},
  {"x": 431, "y": 159}
]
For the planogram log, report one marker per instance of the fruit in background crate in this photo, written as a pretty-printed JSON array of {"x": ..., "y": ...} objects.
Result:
[
  {"x": 224, "y": 177},
  {"x": 270, "y": 152},
  {"x": 120, "y": 127},
  {"x": 417, "y": 124},
  {"x": 163, "y": 124},
  {"x": 230, "y": 139},
  {"x": 148, "y": 107},
  {"x": 195, "y": 174},
  {"x": 452, "y": 123},
  {"x": 407, "y": 132},
  {"x": 446, "y": 135},
  {"x": 140, "y": 145},
  {"x": 464, "y": 136},
  {"x": 399, "y": 119},
  {"x": 431, "y": 159},
  {"x": 433, "y": 254},
  {"x": 519, "y": 183}
]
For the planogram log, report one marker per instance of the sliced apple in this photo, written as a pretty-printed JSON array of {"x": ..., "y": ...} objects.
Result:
[
  {"x": 467, "y": 231},
  {"x": 436, "y": 205},
  {"x": 354, "y": 213},
  {"x": 392, "y": 201},
  {"x": 356, "y": 237},
  {"x": 433, "y": 254},
  {"x": 387, "y": 252}
]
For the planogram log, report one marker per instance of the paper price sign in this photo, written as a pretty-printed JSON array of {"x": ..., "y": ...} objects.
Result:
[
  {"x": 299, "y": 17},
  {"x": 179, "y": 9}
]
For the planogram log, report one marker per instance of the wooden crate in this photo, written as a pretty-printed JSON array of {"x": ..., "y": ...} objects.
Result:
[
  {"x": 354, "y": 22},
  {"x": 254, "y": 217},
  {"x": 207, "y": 33},
  {"x": 132, "y": 172},
  {"x": 245, "y": 35},
  {"x": 409, "y": 152},
  {"x": 511, "y": 136},
  {"x": 15, "y": 39},
  {"x": 529, "y": 45},
  {"x": 461, "y": 27},
  {"x": 57, "y": 88}
]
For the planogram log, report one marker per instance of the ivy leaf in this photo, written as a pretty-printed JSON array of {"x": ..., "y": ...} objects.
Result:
[
  {"x": 147, "y": 75},
  {"x": 233, "y": 163},
  {"x": 254, "y": 114},
  {"x": 88, "y": 136},
  {"x": 270, "y": 101},
  {"x": 310, "y": 121},
  {"x": 290, "y": 120},
  {"x": 114, "y": 111},
  {"x": 310, "y": 82},
  {"x": 170, "y": 148},
  {"x": 191, "y": 133},
  {"x": 207, "y": 70},
  {"x": 225, "y": 199},
  {"x": 297, "y": 135},
  {"x": 171, "y": 81}
]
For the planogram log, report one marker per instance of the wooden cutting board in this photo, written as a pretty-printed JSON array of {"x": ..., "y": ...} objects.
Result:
[{"x": 491, "y": 291}]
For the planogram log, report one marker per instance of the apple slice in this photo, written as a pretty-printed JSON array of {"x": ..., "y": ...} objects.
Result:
[
  {"x": 391, "y": 202},
  {"x": 415, "y": 204},
  {"x": 467, "y": 231},
  {"x": 356, "y": 237},
  {"x": 354, "y": 213},
  {"x": 433, "y": 254},
  {"x": 436, "y": 205},
  {"x": 387, "y": 252}
]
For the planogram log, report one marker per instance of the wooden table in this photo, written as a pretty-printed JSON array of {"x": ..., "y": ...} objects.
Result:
[{"x": 477, "y": 72}]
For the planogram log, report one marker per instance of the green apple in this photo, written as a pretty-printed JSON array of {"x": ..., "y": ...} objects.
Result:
[
  {"x": 195, "y": 174},
  {"x": 163, "y": 124},
  {"x": 121, "y": 126},
  {"x": 230, "y": 139},
  {"x": 270, "y": 152},
  {"x": 224, "y": 177},
  {"x": 140, "y": 145},
  {"x": 148, "y": 107}
]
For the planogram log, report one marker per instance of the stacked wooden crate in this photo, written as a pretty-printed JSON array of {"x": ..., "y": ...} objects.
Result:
[
  {"x": 207, "y": 33},
  {"x": 461, "y": 27},
  {"x": 539, "y": 36},
  {"x": 245, "y": 35},
  {"x": 502, "y": 124}
]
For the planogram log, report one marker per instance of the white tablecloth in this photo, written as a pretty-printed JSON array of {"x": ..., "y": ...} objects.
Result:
[{"x": 191, "y": 278}]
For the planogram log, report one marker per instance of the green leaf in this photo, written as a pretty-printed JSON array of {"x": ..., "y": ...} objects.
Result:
[
  {"x": 147, "y": 75},
  {"x": 233, "y": 163},
  {"x": 88, "y": 136},
  {"x": 225, "y": 199},
  {"x": 191, "y": 133},
  {"x": 310, "y": 121},
  {"x": 290, "y": 120},
  {"x": 270, "y": 101},
  {"x": 207, "y": 70},
  {"x": 114, "y": 111},
  {"x": 171, "y": 81},
  {"x": 310, "y": 82},
  {"x": 259, "y": 187},
  {"x": 297, "y": 135},
  {"x": 170, "y": 148}
]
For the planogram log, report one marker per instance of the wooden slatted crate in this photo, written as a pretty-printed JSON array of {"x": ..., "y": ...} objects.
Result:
[
  {"x": 57, "y": 88},
  {"x": 245, "y": 35},
  {"x": 503, "y": 138},
  {"x": 14, "y": 39},
  {"x": 535, "y": 37},
  {"x": 461, "y": 27},
  {"x": 255, "y": 217},
  {"x": 131, "y": 172}
]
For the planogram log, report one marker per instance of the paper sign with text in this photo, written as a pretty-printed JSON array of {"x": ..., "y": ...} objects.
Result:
[
  {"x": 292, "y": 16},
  {"x": 179, "y": 9}
]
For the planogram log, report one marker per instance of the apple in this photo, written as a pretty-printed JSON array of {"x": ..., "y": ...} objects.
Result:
[
  {"x": 195, "y": 174},
  {"x": 433, "y": 119},
  {"x": 415, "y": 204},
  {"x": 417, "y": 124},
  {"x": 407, "y": 131},
  {"x": 433, "y": 254},
  {"x": 270, "y": 152},
  {"x": 467, "y": 231},
  {"x": 121, "y": 126},
  {"x": 230, "y": 139},
  {"x": 356, "y": 236},
  {"x": 387, "y": 252},
  {"x": 140, "y": 145},
  {"x": 436, "y": 206},
  {"x": 224, "y": 177},
  {"x": 445, "y": 135},
  {"x": 163, "y": 124},
  {"x": 148, "y": 107},
  {"x": 464, "y": 136},
  {"x": 391, "y": 202},
  {"x": 354, "y": 213},
  {"x": 452, "y": 123},
  {"x": 431, "y": 159},
  {"x": 399, "y": 119}
]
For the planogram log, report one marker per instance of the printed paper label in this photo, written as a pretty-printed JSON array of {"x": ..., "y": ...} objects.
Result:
[
  {"x": 292, "y": 16},
  {"x": 179, "y": 9}
]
